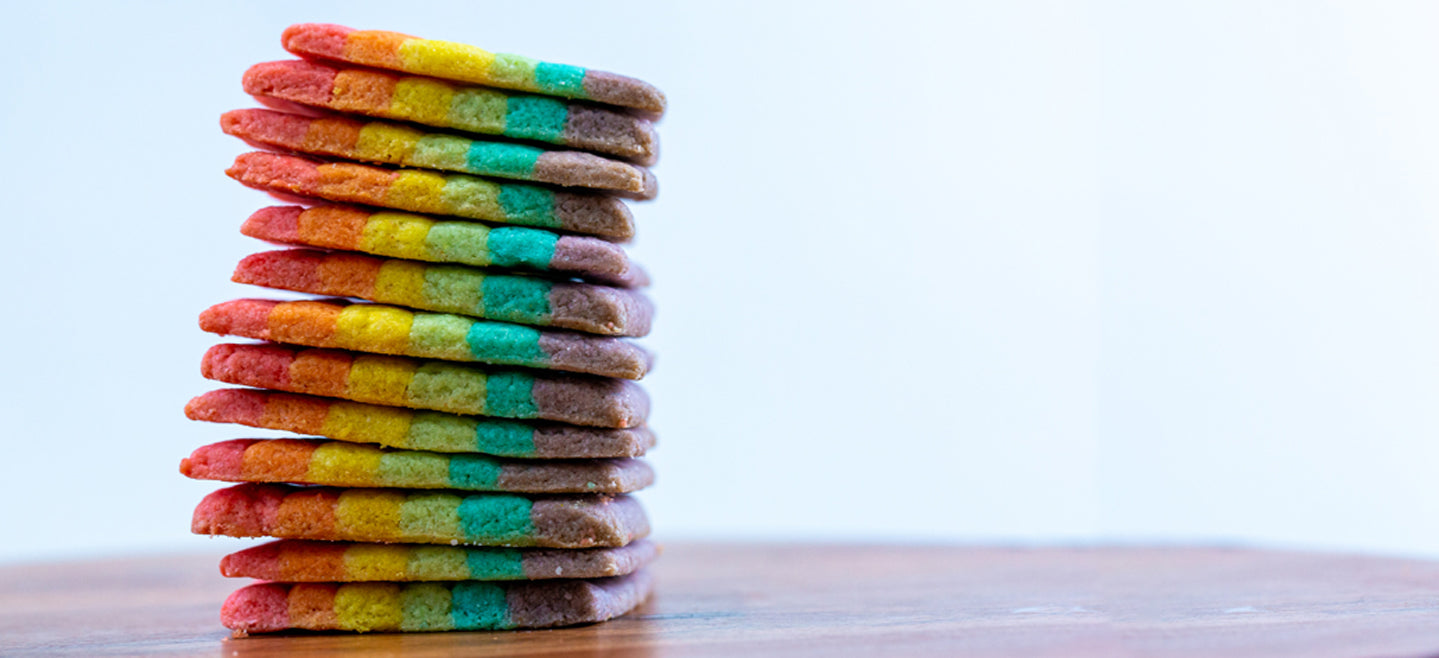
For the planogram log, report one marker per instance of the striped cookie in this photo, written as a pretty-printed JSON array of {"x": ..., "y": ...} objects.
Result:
[
  {"x": 465, "y": 63},
  {"x": 434, "y": 385},
  {"x": 298, "y": 84},
  {"x": 414, "y": 430},
  {"x": 390, "y": 330},
  {"x": 420, "y": 517},
  {"x": 459, "y": 606},
  {"x": 341, "y": 464},
  {"x": 299, "y": 561},
  {"x": 391, "y": 143},
  {"x": 452, "y": 289},
  {"x": 415, "y": 237},
  {"x": 417, "y": 190}
]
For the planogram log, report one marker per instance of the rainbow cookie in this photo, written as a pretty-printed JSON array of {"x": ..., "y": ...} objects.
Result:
[
  {"x": 435, "y": 385},
  {"x": 457, "y": 107},
  {"x": 452, "y": 289},
  {"x": 414, "y": 237},
  {"x": 414, "y": 430},
  {"x": 420, "y": 517},
  {"x": 299, "y": 561},
  {"x": 417, "y": 190},
  {"x": 341, "y": 464},
  {"x": 390, "y": 330},
  {"x": 463, "y": 63},
  {"x": 458, "y": 606},
  {"x": 392, "y": 143}
]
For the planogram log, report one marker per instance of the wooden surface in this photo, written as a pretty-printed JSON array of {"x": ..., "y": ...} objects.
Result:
[{"x": 758, "y": 600}]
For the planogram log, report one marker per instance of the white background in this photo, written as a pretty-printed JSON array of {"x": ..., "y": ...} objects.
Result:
[{"x": 1056, "y": 272}]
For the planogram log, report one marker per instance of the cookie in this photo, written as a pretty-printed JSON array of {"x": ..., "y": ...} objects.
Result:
[
  {"x": 423, "y": 191},
  {"x": 459, "y": 606},
  {"x": 414, "y": 237},
  {"x": 419, "y": 517},
  {"x": 341, "y": 464},
  {"x": 414, "y": 430},
  {"x": 390, "y": 330},
  {"x": 396, "y": 144},
  {"x": 299, "y": 561},
  {"x": 452, "y": 106},
  {"x": 452, "y": 289},
  {"x": 464, "y": 63},
  {"x": 434, "y": 385}
]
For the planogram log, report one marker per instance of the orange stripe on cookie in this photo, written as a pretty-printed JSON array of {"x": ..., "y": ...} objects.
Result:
[
  {"x": 307, "y": 513},
  {"x": 306, "y": 323},
  {"x": 317, "y": 561},
  {"x": 312, "y": 605},
  {"x": 286, "y": 461},
  {"x": 320, "y": 372},
  {"x": 375, "y": 47},
  {"x": 302, "y": 415},
  {"x": 356, "y": 183},
  {"x": 329, "y": 135},
  {"x": 363, "y": 91},
  {"x": 349, "y": 275},
  {"x": 329, "y": 226}
]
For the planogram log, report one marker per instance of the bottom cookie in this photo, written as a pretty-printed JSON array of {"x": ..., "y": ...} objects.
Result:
[{"x": 462, "y": 606}]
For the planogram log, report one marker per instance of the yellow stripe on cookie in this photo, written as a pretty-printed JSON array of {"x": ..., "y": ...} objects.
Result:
[{"x": 373, "y": 329}]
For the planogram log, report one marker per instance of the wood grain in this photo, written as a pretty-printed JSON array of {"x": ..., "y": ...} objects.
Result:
[{"x": 758, "y": 600}]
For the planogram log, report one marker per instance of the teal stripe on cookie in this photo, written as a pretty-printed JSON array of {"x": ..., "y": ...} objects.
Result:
[
  {"x": 505, "y": 439},
  {"x": 517, "y": 299},
  {"x": 496, "y": 518},
  {"x": 510, "y": 160},
  {"x": 478, "y": 606},
  {"x": 533, "y": 205},
  {"x": 495, "y": 564},
  {"x": 505, "y": 343},
  {"x": 535, "y": 117},
  {"x": 515, "y": 247},
  {"x": 510, "y": 394},
  {"x": 473, "y": 472},
  {"x": 561, "y": 79}
]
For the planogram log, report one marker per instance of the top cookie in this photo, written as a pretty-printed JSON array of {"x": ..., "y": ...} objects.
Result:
[{"x": 455, "y": 61}]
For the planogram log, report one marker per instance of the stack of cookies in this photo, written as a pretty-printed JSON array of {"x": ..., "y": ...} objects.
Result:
[{"x": 467, "y": 380}]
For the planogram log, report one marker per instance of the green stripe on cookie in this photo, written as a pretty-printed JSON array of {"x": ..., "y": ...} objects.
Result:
[{"x": 449, "y": 387}]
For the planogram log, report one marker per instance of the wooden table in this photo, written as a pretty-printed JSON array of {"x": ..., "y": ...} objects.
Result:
[{"x": 757, "y": 600}]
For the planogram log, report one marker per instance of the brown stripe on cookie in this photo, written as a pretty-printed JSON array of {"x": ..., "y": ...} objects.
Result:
[
  {"x": 554, "y": 441},
  {"x": 589, "y": 563},
  {"x": 597, "y": 401},
  {"x": 564, "y": 603},
  {"x": 582, "y": 522},
  {"x": 598, "y": 475}
]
